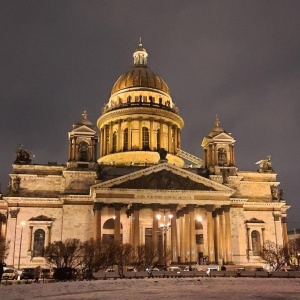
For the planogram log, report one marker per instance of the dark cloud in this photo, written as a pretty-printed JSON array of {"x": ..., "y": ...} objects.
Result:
[{"x": 237, "y": 59}]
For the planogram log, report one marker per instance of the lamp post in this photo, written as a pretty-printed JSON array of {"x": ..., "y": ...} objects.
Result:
[
  {"x": 22, "y": 225},
  {"x": 164, "y": 226}
]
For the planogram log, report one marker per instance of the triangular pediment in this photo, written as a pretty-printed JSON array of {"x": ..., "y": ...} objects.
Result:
[
  {"x": 223, "y": 136},
  {"x": 83, "y": 129},
  {"x": 163, "y": 177},
  {"x": 164, "y": 180},
  {"x": 40, "y": 218}
]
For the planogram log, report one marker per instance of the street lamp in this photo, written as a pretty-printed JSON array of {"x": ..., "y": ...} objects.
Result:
[
  {"x": 164, "y": 226},
  {"x": 22, "y": 225}
]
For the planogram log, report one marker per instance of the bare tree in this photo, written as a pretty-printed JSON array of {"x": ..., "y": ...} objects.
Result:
[
  {"x": 123, "y": 255},
  {"x": 274, "y": 254},
  {"x": 65, "y": 254},
  {"x": 4, "y": 247},
  {"x": 97, "y": 256},
  {"x": 146, "y": 256}
]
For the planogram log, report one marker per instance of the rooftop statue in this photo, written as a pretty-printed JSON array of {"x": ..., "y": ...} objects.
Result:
[
  {"x": 22, "y": 156},
  {"x": 265, "y": 165}
]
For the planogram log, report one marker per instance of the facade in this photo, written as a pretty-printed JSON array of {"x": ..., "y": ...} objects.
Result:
[{"x": 128, "y": 180}]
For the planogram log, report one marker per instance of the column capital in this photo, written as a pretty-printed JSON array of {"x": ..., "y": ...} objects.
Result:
[
  {"x": 98, "y": 206},
  {"x": 219, "y": 211},
  {"x": 226, "y": 208},
  {"x": 118, "y": 206},
  {"x": 173, "y": 206},
  {"x": 190, "y": 207},
  {"x": 179, "y": 213},
  {"x": 209, "y": 207},
  {"x": 14, "y": 213},
  {"x": 283, "y": 220},
  {"x": 154, "y": 206}
]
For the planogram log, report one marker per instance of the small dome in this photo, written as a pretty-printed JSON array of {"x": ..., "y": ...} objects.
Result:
[
  {"x": 84, "y": 121},
  {"x": 140, "y": 75}
]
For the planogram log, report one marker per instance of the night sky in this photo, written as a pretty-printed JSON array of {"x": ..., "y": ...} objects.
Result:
[{"x": 238, "y": 59}]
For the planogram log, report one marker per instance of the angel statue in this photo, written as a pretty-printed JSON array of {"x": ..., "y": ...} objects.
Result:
[{"x": 265, "y": 165}]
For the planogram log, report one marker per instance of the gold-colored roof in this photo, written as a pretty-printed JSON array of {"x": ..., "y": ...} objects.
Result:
[{"x": 140, "y": 76}]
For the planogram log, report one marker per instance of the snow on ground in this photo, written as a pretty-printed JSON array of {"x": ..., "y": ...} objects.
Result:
[{"x": 164, "y": 288}]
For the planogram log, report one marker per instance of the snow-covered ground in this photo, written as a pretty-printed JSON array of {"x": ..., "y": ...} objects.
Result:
[{"x": 168, "y": 288}]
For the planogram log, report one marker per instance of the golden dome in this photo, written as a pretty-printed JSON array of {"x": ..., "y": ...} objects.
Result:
[{"x": 140, "y": 75}]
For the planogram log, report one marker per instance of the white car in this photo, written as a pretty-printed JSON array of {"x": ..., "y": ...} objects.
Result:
[
  {"x": 10, "y": 273},
  {"x": 193, "y": 268}
]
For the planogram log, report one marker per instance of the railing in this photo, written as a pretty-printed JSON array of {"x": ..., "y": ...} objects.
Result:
[
  {"x": 192, "y": 158},
  {"x": 107, "y": 108}
]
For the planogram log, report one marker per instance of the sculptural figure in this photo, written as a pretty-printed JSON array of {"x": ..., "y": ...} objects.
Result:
[
  {"x": 274, "y": 192},
  {"x": 22, "y": 156},
  {"x": 265, "y": 165},
  {"x": 162, "y": 153},
  {"x": 281, "y": 194}
]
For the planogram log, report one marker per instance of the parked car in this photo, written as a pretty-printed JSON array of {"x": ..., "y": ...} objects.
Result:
[
  {"x": 47, "y": 273},
  {"x": 151, "y": 269},
  {"x": 27, "y": 273},
  {"x": 193, "y": 268},
  {"x": 110, "y": 270},
  {"x": 10, "y": 273},
  {"x": 212, "y": 268},
  {"x": 131, "y": 269},
  {"x": 259, "y": 269},
  {"x": 66, "y": 273}
]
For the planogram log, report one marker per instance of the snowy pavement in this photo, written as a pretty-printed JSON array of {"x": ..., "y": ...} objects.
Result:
[{"x": 171, "y": 288}]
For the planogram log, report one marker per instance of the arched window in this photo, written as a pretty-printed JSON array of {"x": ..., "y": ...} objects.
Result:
[
  {"x": 114, "y": 146},
  {"x": 39, "y": 243},
  {"x": 83, "y": 151},
  {"x": 125, "y": 140},
  {"x": 108, "y": 230},
  {"x": 109, "y": 224},
  {"x": 255, "y": 238},
  {"x": 158, "y": 139},
  {"x": 145, "y": 138},
  {"x": 222, "y": 156}
]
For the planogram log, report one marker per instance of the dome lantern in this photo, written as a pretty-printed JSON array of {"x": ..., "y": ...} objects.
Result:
[{"x": 140, "y": 55}]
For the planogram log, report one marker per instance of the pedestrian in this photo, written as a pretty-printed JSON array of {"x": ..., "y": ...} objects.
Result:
[{"x": 37, "y": 273}]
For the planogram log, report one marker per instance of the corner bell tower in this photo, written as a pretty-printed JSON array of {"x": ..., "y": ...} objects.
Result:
[
  {"x": 83, "y": 141},
  {"x": 218, "y": 149}
]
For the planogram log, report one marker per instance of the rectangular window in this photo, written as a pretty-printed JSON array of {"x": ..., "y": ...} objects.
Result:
[
  {"x": 199, "y": 239},
  {"x": 148, "y": 237}
]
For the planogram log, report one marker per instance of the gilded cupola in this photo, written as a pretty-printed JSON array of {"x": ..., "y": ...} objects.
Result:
[{"x": 139, "y": 118}]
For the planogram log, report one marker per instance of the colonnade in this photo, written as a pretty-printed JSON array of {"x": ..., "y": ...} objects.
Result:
[
  {"x": 74, "y": 148},
  {"x": 211, "y": 155},
  {"x": 182, "y": 232},
  {"x": 166, "y": 129}
]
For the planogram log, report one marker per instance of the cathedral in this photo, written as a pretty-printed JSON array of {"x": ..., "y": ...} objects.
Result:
[{"x": 128, "y": 179}]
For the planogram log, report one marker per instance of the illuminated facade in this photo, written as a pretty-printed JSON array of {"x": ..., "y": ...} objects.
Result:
[{"x": 121, "y": 176}]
